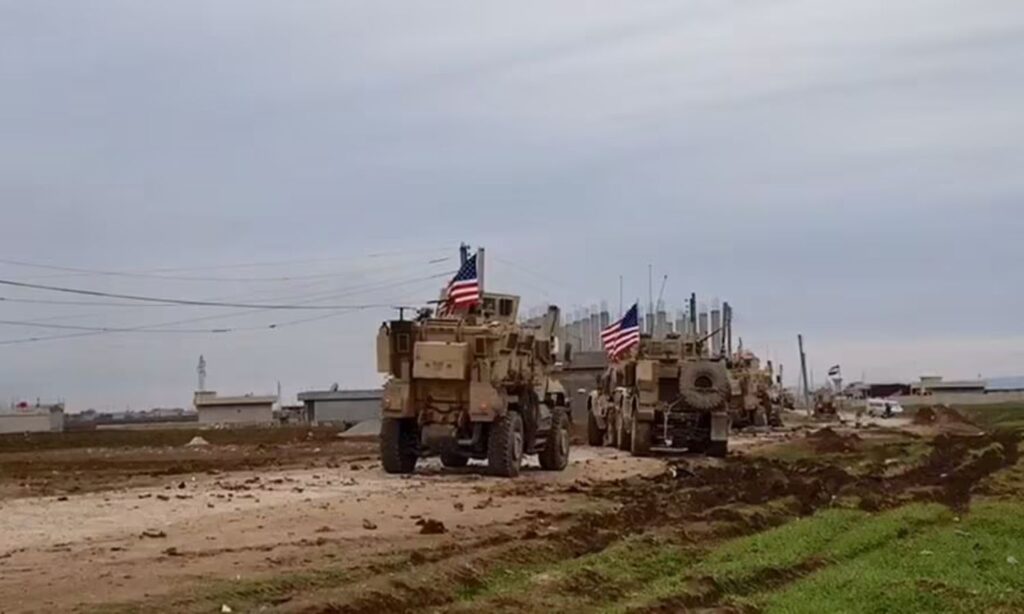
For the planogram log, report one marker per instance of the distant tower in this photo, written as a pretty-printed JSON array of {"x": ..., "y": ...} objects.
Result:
[{"x": 201, "y": 371}]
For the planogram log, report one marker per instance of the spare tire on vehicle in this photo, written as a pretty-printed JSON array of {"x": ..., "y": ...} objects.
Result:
[{"x": 704, "y": 386}]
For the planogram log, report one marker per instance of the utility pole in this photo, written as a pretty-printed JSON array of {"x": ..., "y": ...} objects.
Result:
[
  {"x": 650, "y": 299},
  {"x": 803, "y": 371},
  {"x": 201, "y": 372},
  {"x": 463, "y": 253},
  {"x": 693, "y": 312}
]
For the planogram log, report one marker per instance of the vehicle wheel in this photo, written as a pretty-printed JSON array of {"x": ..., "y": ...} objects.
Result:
[
  {"x": 621, "y": 434},
  {"x": 718, "y": 449},
  {"x": 399, "y": 445},
  {"x": 555, "y": 455},
  {"x": 505, "y": 445},
  {"x": 640, "y": 440},
  {"x": 595, "y": 436},
  {"x": 760, "y": 418},
  {"x": 453, "y": 460}
]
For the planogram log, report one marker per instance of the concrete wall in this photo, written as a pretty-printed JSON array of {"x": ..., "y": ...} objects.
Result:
[
  {"x": 26, "y": 423},
  {"x": 237, "y": 414},
  {"x": 345, "y": 410},
  {"x": 962, "y": 398}
]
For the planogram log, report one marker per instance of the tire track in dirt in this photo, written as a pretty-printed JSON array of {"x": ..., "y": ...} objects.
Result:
[{"x": 701, "y": 503}]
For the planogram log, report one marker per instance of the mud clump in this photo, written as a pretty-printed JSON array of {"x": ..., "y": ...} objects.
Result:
[
  {"x": 827, "y": 441},
  {"x": 429, "y": 526}
]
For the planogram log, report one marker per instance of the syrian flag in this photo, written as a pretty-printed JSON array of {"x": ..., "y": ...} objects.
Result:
[{"x": 834, "y": 371}]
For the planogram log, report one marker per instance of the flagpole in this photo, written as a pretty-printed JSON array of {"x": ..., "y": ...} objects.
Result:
[
  {"x": 620, "y": 298},
  {"x": 650, "y": 298},
  {"x": 480, "y": 268}
]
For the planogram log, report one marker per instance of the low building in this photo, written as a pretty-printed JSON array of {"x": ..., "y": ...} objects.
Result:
[
  {"x": 247, "y": 409},
  {"x": 341, "y": 406},
  {"x": 38, "y": 418},
  {"x": 933, "y": 384}
]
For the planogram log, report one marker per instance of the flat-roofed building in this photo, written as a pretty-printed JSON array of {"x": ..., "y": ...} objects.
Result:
[
  {"x": 38, "y": 418},
  {"x": 341, "y": 406},
  {"x": 245, "y": 409}
]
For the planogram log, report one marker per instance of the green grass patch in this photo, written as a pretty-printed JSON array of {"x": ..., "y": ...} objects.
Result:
[
  {"x": 748, "y": 565},
  {"x": 1003, "y": 416},
  {"x": 950, "y": 567},
  {"x": 585, "y": 583}
]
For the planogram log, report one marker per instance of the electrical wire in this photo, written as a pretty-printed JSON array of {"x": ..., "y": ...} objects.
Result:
[
  {"x": 186, "y": 278},
  {"x": 94, "y": 331},
  {"x": 160, "y": 273},
  {"x": 171, "y": 301}
]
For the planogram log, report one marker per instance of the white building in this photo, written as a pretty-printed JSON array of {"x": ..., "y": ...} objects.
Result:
[
  {"x": 247, "y": 409},
  {"x": 24, "y": 418}
]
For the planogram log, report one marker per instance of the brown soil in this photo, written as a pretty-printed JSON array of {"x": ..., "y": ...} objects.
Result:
[
  {"x": 405, "y": 544},
  {"x": 939, "y": 415},
  {"x": 827, "y": 441}
]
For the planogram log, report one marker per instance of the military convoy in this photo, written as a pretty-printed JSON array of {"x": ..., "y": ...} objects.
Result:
[
  {"x": 473, "y": 384},
  {"x": 476, "y": 383},
  {"x": 665, "y": 394}
]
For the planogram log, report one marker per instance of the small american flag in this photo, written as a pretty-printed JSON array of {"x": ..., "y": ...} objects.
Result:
[
  {"x": 464, "y": 289},
  {"x": 623, "y": 335}
]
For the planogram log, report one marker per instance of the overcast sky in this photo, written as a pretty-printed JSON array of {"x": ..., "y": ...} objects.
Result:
[{"x": 850, "y": 170}]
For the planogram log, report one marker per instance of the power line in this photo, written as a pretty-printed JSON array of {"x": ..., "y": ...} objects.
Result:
[
  {"x": 146, "y": 275},
  {"x": 171, "y": 301},
  {"x": 361, "y": 288},
  {"x": 95, "y": 331}
]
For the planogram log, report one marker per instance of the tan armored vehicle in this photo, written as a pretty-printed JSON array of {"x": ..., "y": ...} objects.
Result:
[
  {"x": 474, "y": 385},
  {"x": 666, "y": 394},
  {"x": 756, "y": 399}
]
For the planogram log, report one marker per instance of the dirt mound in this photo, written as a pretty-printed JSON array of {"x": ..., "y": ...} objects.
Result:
[
  {"x": 827, "y": 441},
  {"x": 940, "y": 414}
]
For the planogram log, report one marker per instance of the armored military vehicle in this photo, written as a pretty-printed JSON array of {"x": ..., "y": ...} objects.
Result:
[
  {"x": 756, "y": 399},
  {"x": 665, "y": 394},
  {"x": 476, "y": 384}
]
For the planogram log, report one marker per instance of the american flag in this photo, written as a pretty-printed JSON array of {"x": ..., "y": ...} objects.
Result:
[
  {"x": 464, "y": 289},
  {"x": 623, "y": 335}
]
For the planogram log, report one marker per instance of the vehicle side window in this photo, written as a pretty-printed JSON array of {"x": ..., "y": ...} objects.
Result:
[{"x": 505, "y": 307}]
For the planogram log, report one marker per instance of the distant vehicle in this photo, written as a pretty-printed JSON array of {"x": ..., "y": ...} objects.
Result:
[
  {"x": 665, "y": 394},
  {"x": 883, "y": 408}
]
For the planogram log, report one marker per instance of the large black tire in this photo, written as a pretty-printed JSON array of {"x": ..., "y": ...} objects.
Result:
[
  {"x": 399, "y": 445},
  {"x": 704, "y": 386},
  {"x": 621, "y": 434},
  {"x": 555, "y": 455},
  {"x": 760, "y": 417},
  {"x": 595, "y": 436},
  {"x": 718, "y": 449},
  {"x": 640, "y": 440},
  {"x": 453, "y": 460},
  {"x": 505, "y": 445}
]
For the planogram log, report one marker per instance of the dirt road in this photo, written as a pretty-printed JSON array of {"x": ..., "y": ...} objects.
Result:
[
  {"x": 127, "y": 544},
  {"x": 316, "y": 526}
]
